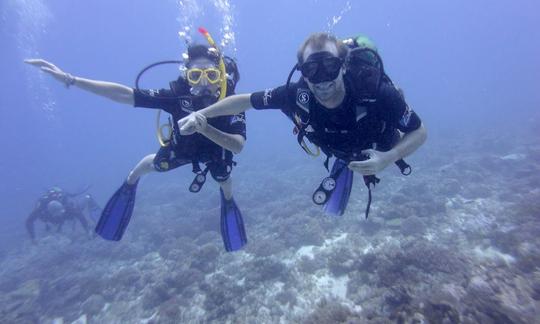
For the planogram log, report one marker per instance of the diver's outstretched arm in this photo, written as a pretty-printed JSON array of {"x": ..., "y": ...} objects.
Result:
[
  {"x": 232, "y": 105},
  {"x": 114, "y": 91},
  {"x": 232, "y": 142}
]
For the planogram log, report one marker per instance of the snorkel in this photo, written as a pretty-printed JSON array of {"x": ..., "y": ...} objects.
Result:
[{"x": 223, "y": 87}]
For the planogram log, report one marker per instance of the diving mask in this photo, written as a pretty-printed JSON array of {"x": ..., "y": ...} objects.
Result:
[
  {"x": 195, "y": 75},
  {"x": 321, "y": 67}
]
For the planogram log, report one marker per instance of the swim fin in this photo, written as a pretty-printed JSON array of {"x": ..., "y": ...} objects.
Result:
[
  {"x": 232, "y": 225},
  {"x": 117, "y": 213},
  {"x": 339, "y": 199}
]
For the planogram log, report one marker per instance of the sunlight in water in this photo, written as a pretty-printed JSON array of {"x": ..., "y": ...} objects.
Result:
[
  {"x": 191, "y": 12},
  {"x": 32, "y": 18},
  {"x": 332, "y": 22}
]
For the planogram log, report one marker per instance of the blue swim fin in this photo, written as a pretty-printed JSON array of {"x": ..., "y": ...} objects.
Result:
[
  {"x": 232, "y": 225},
  {"x": 117, "y": 213},
  {"x": 339, "y": 199}
]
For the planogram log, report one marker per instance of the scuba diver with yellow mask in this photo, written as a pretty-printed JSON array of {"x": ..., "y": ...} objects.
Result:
[{"x": 208, "y": 76}]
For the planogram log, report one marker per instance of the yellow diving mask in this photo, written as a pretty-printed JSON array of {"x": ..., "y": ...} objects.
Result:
[{"x": 195, "y": 75}]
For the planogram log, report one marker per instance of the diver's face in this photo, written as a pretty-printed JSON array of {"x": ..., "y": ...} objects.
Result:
[
  {"x": 327, "y": 89},
  {"x": 202, "y": 77}
]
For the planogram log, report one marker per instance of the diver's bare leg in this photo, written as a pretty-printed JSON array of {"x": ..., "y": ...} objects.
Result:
[
  {"x": 146, "y": 165},
  {"x": 226, "y": 186}
]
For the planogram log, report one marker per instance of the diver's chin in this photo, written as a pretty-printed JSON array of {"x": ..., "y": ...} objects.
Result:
[
  {"x": 324, "y": 90},
  {"x": 202, "y": 92}
]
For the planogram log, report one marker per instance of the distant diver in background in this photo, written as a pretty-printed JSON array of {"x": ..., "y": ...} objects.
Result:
[
  {"x": 345, "y": 105},
  {"x": 57, "y": 206},
  {"x": 209, "y": 76}
]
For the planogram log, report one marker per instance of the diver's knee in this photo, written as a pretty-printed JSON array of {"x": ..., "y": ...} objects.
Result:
[
  {"x": 149, "y": 159},
  {"x": 132, "y": 177},
  {"x": 223, "y": 181}
]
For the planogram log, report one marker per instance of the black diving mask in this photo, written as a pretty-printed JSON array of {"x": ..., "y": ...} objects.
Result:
[{"x": 321, "y": 67}]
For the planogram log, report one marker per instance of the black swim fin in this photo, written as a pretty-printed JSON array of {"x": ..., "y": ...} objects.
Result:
[
  {"x": 117, "y": 213},
  {"x": 232, "y": 225},
  {"x": 339, "y": 199}
]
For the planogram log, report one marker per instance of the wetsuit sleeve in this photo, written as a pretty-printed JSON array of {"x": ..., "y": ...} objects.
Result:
[
  {"x": 275, "y": 98},
  {"x": 237, "y": 125},
  {"x": 396, "y": 111},
  {"x": 156, "y": 99}
]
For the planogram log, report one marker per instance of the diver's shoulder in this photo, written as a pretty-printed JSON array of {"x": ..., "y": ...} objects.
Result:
[{"x": 388, "y": 90}]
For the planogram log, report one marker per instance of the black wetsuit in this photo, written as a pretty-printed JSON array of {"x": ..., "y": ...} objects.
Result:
[
  {"x": 73, "y": 210},
  {"x": 193, "y": 148},
  {"x": 353, "y": 126}
]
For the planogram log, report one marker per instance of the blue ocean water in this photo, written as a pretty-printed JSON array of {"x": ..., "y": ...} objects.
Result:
[{"x": 469, "y": 69}]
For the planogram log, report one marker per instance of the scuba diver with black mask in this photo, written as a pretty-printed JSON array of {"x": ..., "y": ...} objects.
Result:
[
  {"x": 346, "y": 106},
  {"x": 208, "y": 76},
  {"x": 57, "y": 206}
]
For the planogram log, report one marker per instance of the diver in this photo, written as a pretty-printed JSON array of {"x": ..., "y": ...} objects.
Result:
[
  {"x": 56, "y": 207},
  {"x": 207, "y": 77},
  {"x": 345, "y": 105}
]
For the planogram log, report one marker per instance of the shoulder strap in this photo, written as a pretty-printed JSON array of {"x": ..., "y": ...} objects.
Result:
[{"x": 179, "y": 87}]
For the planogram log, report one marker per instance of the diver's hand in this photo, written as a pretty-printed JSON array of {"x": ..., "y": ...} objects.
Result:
[
  {"x": 53, "y": 70},
  {"x": 202, "y": 123},
  {"x": 195, "y": 122},
  {"x": 187, "y": 125},
  {"x": 377, "y": 162}
]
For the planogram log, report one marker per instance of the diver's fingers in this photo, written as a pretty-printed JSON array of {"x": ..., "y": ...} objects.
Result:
[
  {"x": 35, "y": 62},
  {"x": 199, "y": 116},
  {"x": 363, "y": 167},
  {"x": 41, "y": 63},
  {"x": 49, "y": 70},
  {"x": 368, "y": 152},
  {"x": 192, "y": 123},
  {"x": 188, "y": 130},
  {"x": 201, "y": 121},
  {"x": 354, "y": 166},
  {"x": 358, "y": 164},
  {"x": 184, "y": 123},
  {"x": 187, "y": 126}
]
